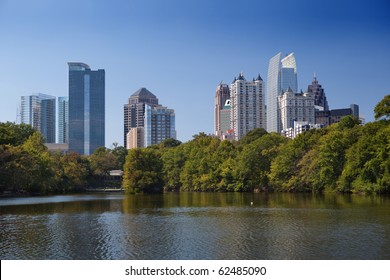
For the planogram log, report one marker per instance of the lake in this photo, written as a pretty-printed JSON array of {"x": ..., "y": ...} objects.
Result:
[{"x": 199, "y": 226}]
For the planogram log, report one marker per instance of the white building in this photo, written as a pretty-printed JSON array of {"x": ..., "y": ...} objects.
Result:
[
  {"x": 300, "y": 127},
  {"x": 247, "y": 105},
  {"x": 296, "y": 107}
]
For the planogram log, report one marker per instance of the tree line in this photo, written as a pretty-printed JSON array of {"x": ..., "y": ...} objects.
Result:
[
  {"x": 344, "y": 157},
  {"x": 26, "y": 165}
]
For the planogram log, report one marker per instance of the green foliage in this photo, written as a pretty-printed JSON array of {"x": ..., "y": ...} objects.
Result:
[
  {"x": 120, "y": 154},
  {"x": 254, "y": 162},
  {"x": 13, "y": 134},
  {"x": 252, "y": 136},
  {"x": 102, "y": 161},
  {"x": 143, "y": 171},
  {"x": 382, "y": 109}
]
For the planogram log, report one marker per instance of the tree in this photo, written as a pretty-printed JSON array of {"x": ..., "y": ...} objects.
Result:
[
  {"x": 15, "y": 134},
  {"x": 253, "y": 135},
  {"x": 254, "y": 162},
  {"x": 102, "y": 161},
  {"x": 143, "y": 171},
  {"x": 382, "y": 109},
  {"x": 120, "y": 153}
]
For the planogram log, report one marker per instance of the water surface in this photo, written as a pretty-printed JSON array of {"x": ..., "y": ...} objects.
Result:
[{"x": 195, "y": 226}]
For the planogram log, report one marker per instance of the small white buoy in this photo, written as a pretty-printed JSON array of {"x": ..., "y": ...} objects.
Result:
[{"x": 251, "y": 202}]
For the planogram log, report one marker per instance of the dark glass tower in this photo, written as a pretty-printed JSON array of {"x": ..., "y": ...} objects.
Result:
[
  {"x": 319, "y": 94},
  {"x": 86, "y": 108}
]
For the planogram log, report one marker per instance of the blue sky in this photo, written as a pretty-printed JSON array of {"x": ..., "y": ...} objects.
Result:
[{"x": 181, "y": 50}]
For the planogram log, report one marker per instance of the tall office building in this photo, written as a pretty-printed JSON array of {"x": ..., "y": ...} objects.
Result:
[
  {"x": 86, "y": 108},
  {"x": 319, "y": 94},
  {"x": 247, "y": 105},
  {"x": 159, "y": 124},
  {"x": 134, "y": 110},
  {"x": 39, "y": 111},
  {"x": 282, "y": 74},
  {"x": 63, "y": 120},
  {"x": 296, "y": 107},
  {"x": 222, "y": 94}
]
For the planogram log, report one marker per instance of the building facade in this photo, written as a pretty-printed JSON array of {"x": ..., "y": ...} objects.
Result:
[
  {"x": 319, "y": 95},
  {"x": 136, "y": 138},
  {"x": 296, "y": 107},
  {"x": 134, "y": 110},
  {"x": 300, "y": 127},
  {"x": 222, "y": 94},
  {"x": 282, "y": 74},
  {"x": 334, "y": 116},
  {"x": 39, "y": 111},
  {"x": 63, "y": 120},
  {"x": 159, "y": 124},
  {"x": 247, "y": 105},
  {"x": 86, "y": 108}
]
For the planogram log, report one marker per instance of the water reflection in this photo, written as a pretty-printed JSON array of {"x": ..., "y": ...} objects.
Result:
[{"x": 196, "y": 226}]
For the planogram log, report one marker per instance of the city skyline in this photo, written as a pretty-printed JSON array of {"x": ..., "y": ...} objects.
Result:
[{"x": 183, "y": 50}]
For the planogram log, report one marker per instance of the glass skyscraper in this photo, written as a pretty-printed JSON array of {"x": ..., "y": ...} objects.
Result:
[
  {"x": 159, "y": 124},
  {"x": 86, "y": 108},
  {"x": 63, "y": 120},
  {"x": 39, "y": 111},
  {"x": 282, "y": 74}
]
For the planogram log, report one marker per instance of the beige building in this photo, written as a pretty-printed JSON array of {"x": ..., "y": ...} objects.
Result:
[
  {"x": 135, "y": 138},
  {"x": 247, "y": 105}
]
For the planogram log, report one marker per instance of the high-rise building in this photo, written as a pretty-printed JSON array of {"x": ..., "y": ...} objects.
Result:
[
  {"x": 39, "y": 111},
  {"x": 159, "y": 124},
  {"x": 63, "y": 120},
  {"x": 247, "y": 105},
  {"x": 146, "y": 122},
  {"x": 319, "y": 94},
  {"x": 282, "y": 74},
  {"x": 134, "y": 110},
  {"x": 222, "y": 94},
  {"x": 296, "y": 107},
  {"x": 86, "y": 108}
]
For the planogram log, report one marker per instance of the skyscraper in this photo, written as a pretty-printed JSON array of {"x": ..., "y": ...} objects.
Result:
[
  {"x": 134, "y": 110},
  {"x": 282, "y": 74},
  {"x": 63, "y": 120},
  {"x": 146, "y": 122},
  {"x": 319, "y": 94},
  {"x": 86, "y": 108},
  {"x": 159, "y": 124},
  {"x": 221, "y": 95},
  {"x": 39, "y": 111},
  {"x": 247, "y": 105}
]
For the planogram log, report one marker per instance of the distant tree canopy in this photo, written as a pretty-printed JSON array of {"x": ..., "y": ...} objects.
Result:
[
  {"x": 382, "y": 109},
  {"x": 26, "y": 165}
]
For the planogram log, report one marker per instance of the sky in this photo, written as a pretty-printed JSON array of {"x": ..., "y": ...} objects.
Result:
[{"x": 181, "y": 50}]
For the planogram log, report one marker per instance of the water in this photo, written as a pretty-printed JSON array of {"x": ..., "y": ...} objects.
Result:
[{"x": 195, "y": 226}]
